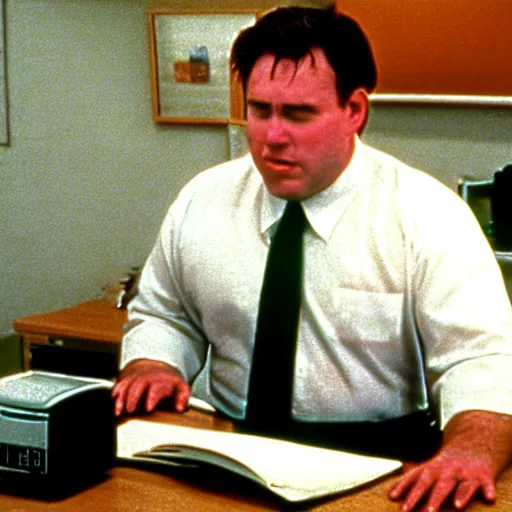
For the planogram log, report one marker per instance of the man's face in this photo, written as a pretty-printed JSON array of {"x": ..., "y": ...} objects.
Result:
[{"x": 300, "y": 137}]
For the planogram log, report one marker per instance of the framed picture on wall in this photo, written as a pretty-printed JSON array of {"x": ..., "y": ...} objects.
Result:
[
  {"x": 4, "y": 132},
  {"x": 189, "y": 56}
]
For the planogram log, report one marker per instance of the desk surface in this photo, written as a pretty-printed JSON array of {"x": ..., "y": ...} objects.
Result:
[
  {"x": 130, "y": 489},
  {"x": 97, "y": 320}
]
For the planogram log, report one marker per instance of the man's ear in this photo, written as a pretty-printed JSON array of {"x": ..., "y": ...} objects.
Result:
[{"x": 358, "y": 109}]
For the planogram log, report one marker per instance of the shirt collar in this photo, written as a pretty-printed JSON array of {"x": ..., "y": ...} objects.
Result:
[{"x": 325, "y": 209}]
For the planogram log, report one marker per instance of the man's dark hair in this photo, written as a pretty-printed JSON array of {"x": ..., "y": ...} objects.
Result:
[{"x": 291, "y": 33}]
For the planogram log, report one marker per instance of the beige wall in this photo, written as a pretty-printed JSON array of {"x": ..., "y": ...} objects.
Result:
[{"x": 88, "y": 176}]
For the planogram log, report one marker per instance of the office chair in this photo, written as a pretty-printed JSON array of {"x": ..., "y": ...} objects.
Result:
[
  {"x": 477, "y": 193},
  {"x": 491, "y": 202}
]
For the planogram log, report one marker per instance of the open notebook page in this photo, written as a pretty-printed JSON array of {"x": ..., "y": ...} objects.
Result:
[{"x": 294, "y": 471}]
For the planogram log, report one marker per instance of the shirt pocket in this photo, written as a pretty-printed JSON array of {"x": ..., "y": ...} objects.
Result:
[{"x": 368, "y": 316}]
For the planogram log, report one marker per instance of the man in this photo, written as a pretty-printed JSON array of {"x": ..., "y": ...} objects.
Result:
[{"x": 403, "y": 306}]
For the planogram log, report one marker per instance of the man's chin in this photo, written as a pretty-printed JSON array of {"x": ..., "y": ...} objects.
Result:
[
  {"x": 290, "y": 190},
  {"x": 288, "y": 195}
]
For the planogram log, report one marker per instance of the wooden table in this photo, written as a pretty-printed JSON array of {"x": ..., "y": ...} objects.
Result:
[
  {"x": 130, "y": 489},
  {"x": 93, "y": 325}
]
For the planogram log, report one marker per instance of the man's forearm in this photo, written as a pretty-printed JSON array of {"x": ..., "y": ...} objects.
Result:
[{"x": 481, "y": 432}]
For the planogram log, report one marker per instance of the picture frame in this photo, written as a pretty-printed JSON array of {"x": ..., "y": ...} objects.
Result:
[
  {"x": 191, "y": 82},
  {"x": 4, "y": 130}
]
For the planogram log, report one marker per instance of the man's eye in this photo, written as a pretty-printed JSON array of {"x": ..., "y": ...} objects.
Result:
[
  {"x": 299, "y": 115},
  {"x": 259, "y": 111}
]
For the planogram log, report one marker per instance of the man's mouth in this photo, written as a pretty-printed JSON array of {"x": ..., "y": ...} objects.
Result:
[{"x": 279, "y": 163}]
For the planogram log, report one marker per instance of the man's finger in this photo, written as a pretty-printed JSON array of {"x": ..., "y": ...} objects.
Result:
[
  {"x": 158, "y": 391},
  {"x": 405, "y": 483},
  {"x": 468, "y": 489},
  {"x": 181, "y": 396},
  {"x": 442, "y": 489},
  {"x": 489, "y": 490},
  {"x": 119, "y": 394},
  {"x": 134, "y": 393},
  {"x": 117, "y": 389},
  {"x": 465, "y": 491},
  {"x": 424, "y": 481}
]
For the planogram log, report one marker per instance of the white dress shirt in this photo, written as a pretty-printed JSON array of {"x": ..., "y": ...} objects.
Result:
[{"x": 403, "y": 298}]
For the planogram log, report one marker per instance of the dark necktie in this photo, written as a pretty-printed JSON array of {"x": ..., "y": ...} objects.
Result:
[{"x": 271, "y": 378}]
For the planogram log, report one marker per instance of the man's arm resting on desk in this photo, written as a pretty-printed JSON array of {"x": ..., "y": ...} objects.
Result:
[
  {"x": 477, "y": 447},
  {"x": 153, "y": 380}
]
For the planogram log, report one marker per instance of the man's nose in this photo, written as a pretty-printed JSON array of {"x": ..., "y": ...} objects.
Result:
[{"x": 276, "y": 131}]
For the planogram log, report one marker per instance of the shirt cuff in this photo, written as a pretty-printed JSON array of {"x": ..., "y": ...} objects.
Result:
[
  {"x": 477, "y": 384},
  {"x": 153, "y": 341}
]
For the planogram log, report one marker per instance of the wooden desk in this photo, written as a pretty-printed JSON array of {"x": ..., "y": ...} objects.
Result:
[
  {"x": 128, "y": 488},
  {"x": 95, "y": 325}
]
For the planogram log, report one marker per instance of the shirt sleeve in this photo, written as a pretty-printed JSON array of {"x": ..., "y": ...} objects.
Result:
[
  {"x": 463, "y": 313},
  {"x": 161, "y": 324}
]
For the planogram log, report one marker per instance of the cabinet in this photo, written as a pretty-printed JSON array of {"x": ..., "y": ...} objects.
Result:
[{"x": 84, "y": 339}]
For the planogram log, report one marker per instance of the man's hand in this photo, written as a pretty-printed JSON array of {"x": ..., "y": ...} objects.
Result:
[
  {"x": 477, "y": 447},
  {"x": 153, "y": 380}
]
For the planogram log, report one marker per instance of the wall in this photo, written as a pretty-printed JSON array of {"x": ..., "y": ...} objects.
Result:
[
  {"x": 88, "y": 176},
  {"x": 446, "y": 60},
  {"x": 448, "y": 142}
]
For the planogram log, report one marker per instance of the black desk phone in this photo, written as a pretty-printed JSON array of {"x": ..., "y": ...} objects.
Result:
[{"x": 55, "y": 427}]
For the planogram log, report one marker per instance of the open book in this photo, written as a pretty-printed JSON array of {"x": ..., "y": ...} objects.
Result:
[{"x": 295, "y": 472}]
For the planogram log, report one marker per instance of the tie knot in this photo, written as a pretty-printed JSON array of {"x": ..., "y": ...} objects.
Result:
[
  {"x": 293, "y": 218},
  {"x": 293, "y": 208}
]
